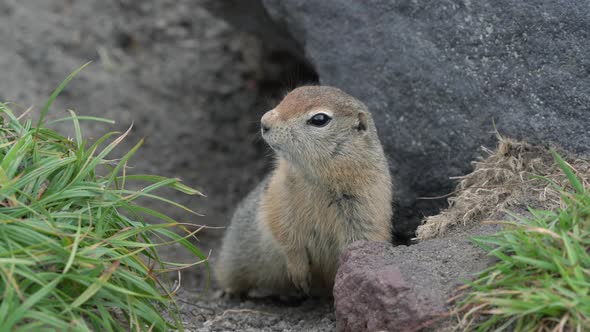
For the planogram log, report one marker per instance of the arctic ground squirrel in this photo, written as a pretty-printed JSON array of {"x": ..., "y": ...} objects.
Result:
[{"x": 331, "y": 186}]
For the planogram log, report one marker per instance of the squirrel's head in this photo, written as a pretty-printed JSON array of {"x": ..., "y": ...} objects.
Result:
[{"x": 314, "y": 124}]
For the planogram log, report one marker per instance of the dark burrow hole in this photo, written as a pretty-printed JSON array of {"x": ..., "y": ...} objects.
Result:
[
  {"x": 406, "y": 219},
  {"x": 283, "y": 73}
]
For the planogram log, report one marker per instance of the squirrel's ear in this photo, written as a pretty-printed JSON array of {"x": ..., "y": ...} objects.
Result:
[{"x": 362, "y": 122}]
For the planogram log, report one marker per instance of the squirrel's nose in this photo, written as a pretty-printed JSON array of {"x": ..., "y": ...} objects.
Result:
[{"x": 266, "y": 121}]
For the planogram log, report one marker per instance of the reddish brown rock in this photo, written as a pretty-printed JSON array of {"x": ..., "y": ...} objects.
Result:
[
  {"x": 371, "y": 293},
  {"x": 381, "y": 287}
]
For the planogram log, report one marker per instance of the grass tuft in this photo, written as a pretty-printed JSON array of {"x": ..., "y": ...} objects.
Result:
[
  {"x": 541, "y": 281},
  {"x": 75, "y": 253}
]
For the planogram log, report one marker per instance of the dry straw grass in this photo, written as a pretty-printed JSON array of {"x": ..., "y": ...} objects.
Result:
[{"x": 512, "y": 178}]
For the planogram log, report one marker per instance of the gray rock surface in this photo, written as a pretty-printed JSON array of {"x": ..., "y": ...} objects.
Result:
[
  {"x": 438, "y": 74},
  {"x": 381, "y": 287}
]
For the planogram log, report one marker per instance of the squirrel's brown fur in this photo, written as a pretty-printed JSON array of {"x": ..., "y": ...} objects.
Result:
[{"x": 331, "y": 186}]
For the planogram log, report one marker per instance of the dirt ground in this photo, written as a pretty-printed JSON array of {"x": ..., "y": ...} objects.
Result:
[
  {"x": 214, "y": 314},
  {"x": 192, "y": 86}
]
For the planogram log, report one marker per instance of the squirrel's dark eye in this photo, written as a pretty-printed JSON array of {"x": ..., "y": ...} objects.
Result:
[{"x": 319, "y": 120}]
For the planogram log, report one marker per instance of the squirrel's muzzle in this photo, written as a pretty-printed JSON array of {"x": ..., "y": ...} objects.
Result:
[{"x": 266, "y": 121}]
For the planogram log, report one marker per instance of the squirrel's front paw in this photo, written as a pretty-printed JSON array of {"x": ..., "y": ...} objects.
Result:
[{"x": 301, "y": 278}]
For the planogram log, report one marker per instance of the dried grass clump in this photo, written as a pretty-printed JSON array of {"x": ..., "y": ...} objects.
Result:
[{"x": 514, "y": 177}]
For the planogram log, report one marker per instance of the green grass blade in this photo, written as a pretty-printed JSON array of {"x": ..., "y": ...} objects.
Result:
[
  {"x": 55, "y": 93},
  {"x": 574, "y": 180}
]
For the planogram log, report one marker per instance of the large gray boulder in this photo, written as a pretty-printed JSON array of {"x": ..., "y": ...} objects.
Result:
[{"x": 438, "y": 74}]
